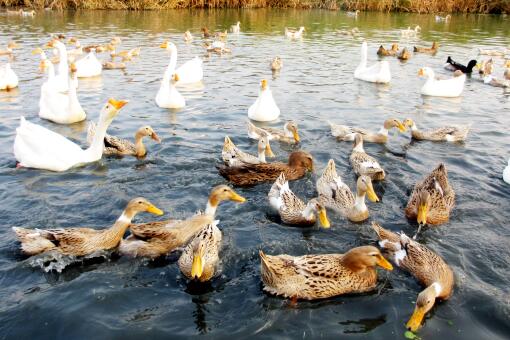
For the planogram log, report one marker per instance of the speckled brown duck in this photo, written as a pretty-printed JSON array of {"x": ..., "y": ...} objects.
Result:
[
  {"x": 425, "y": 265},
  {"x": 300, "y": 162},
  {"x": 312, "y": 277}
]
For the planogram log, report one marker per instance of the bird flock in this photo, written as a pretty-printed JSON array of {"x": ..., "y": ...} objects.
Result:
[{"x": 311, "y": 276}]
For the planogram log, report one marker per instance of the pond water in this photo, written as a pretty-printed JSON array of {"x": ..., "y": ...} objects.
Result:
[{"x": 125, "y": 298}]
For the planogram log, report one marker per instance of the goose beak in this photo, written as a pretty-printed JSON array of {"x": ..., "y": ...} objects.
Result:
[
  {"x": 118, "y": 104},
  {"x": 164, "y": 45},
  {"x": 421, "y": 72}
]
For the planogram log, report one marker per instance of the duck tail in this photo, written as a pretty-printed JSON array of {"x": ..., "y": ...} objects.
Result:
[
  {"x": 32, "y": 241},
  {"x": 384, "y": 235}
]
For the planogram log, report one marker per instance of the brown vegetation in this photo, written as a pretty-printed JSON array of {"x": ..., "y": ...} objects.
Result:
[{"x": 417, "y": 6}]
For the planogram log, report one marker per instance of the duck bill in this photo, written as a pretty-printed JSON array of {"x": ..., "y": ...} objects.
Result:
[
  {"x": 237, "y": 198},
  {"x": 154, "y": 210},
  {"x": 196, "y": 266},
  {"x": 383, "y": 263},
  {"x": 401, "y": 127},
  {"x": 421, "y": 72},
  {"x": 416, "y": 319},
  {"x": 118, "y": 104},
  {"x": 323, "y": 218},
  {"x": 155, "y": 137},
  {"x": 372, "y": 196},
  {"x": 296, "y": 136},
  {"x": 422, "y": 214},
  {"x": 269, "y": 152}
]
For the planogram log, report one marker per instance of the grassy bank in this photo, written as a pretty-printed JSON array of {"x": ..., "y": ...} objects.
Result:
[{"x": 416, "y": 6}]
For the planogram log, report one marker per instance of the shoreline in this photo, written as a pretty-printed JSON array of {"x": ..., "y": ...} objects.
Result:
[{"x": 405, "y": 6}]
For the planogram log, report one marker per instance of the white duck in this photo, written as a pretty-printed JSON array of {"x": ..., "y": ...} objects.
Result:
[
  {"x": 236, "y": 28},
  {"x": 506, "y": 173},
  {"x": 8, "y": 79},
  {"x": 168, "y": 96},
  {"x": 264, "y": 109},
  {"x": 89, "y": 66},
  {"x": 61, "y": 108},
  {"x": 377, "y": 73},
  {"x": 292, "y": 34},
  {"x": 40, "y": 148},
  {"x": 441, "y": 88},
  {"x": 61, "y": 80},
  {"x": 190, "y": 72},
  {"x": 411, "y": 33}
]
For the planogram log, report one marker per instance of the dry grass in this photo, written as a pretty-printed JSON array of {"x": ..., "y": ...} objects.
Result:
[{"x": 417, "y": 6}]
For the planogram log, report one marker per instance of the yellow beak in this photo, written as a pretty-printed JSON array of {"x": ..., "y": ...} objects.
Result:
[
  {"x": 237, "y": 198},
  {"x": 118, "y": 104},
  {"x": 38, "y": 50},
  {"x": 372, "y": 196},
  {"x": 422, "y": 214},
  {"x": 296, "y": 136},
  {"x": 196, "y": 267},
  {"x": 383, "y": 263},
  {"x": 153, "y": 210},
  {"x": 155, "y": 137},
  {"x": 421, "y": 72},
  {"x": 416, "y": 319},
  {"x": 401, "y": 127},
  {"x": 164, "y": 45},
  {"x": 263, "y": 84},
  {"x": 269, "y": 152},
  {"x": 323, "y": 218},
  {"x": 176, "y": 77}
]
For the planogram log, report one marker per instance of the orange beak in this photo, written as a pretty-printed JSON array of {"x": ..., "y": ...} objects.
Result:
[{"x": 118, "y": 104}]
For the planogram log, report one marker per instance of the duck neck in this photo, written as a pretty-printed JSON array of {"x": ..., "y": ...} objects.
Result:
[
  {"x": 359, "y": 148},
  {"x": 212, "y": 205},
  {"x": 262, "y": 155},
  {"x": 359, "y": 203},
  {"x": 139, "y": 147},
  {"x": 120, "y": 226}
]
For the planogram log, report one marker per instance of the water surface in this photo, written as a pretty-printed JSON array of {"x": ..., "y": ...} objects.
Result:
[{"x": 126, "y": 298}]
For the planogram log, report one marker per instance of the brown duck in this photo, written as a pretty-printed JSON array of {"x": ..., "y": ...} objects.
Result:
[
  {"x": 82, "y": 241},
  {"x": 155, "y": 239},
  {"x": 432, "y": 199},
  {"x": 433, "y": 50},
  {"x": 391, "y": 52},
  {"x": 250, "y": 174},
  {"x": 312, "y": 277},
  {"x": 424, "y": 264}
]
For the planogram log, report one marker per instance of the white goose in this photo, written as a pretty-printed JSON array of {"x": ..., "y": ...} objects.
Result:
[
  {"x": 292, "y": 34},
  {"x": 264, "y": 109},
  {"x": 61, "y": 108},
  {"x": 377, "y": 73},
  {"x": 168, "y": 96},
  {"x": 89, "y": 66},
  {"x": 506, "y": 173},
  {"x": 441, "y": 88},
  {"x": 190, "y": 72},
  {"x": 8, "y": 79},
  {"x": 40, "y": 148}
]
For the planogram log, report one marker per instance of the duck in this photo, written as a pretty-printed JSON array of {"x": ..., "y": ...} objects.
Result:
[
  {"x": 206, "y": 33},
  {"x": 443, "y": 19},
  {"x": 125, "y": 55},
  {"x": 337, "y": 195},
  {"x": 289, "y": 134},
  {"x": 391, "y": 52},
  {"x": 430, "y": 269},
  {"x": 188, "y": 73},
  {"x": 493, "y": 53},
  {"x": 363, "y": 164},
  {"x": 221, "y": 35},
  {"x": 61, "y": 80},
  {"x": 122, "y": 147},
  {"x": 236, "y": 28},
  {"x": 8, "y": 78},
  {"x": 353, "y": 14},
  {"x": 232, "y": 156},
  {"x": 11, "y": 45},
  {"x": 432, "y": 50},
  {"x": 188, "y": 37},
  {"x": 432, "y": 199},
  {"x": 506, "y": 173},
  {"x": 452, "y": 87},
  {"x": 300, "y": 162},
  {"x": 292, "y": 209},
  {"x": 155, "y": 239},
  {"x": 410, "y": 33},
  {"x": 58, "y": 107},
  {"x": 40, "y": 148},
  {"x": 350, "y": 32},
  {"x": 82, "y": 241},
  {"x": 454, "y": 66},
  {"x": 264, "y": 109},
  {"x": 89, "y": 66},
  {"x": 168, "y": 96},
  {"x": 377, "y": 73},
  {"x": 348, "y": 133},
  {"x": 115, "y": 41},
  {"x": 217, "y": 46},
  {"x": 111, "y": 65},
  {"x": 404, "y": 54},
  {"x": 30, "y": 13},
  {"x": 276, "y": 64},
  {"x": 293, "y": 34},
  {"x": 200, "y": 258},
  {"x": 486, "y": 67},
  {"x": 443, "y": 134},
  {"x": 320, "y": 276}
]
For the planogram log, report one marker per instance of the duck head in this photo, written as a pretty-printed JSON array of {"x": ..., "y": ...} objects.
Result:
[
  {"x": 197, "y": 266},
  {"x": 291, "y": 128},
  {"x": 301, "y": 159},
  {"x": 364, "y": 186},
  {"x": 320, "y": 211},
  {"x": 394, "y": 123},
  {"x": 140, "y": 204},
  {"x": 423, "y": 204},
  {"x": 360, "y": 258},
  {"x": 147, "y": 131},
  {"x": 424, "y": 303},
  {"x": 264, "y": 147}
]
